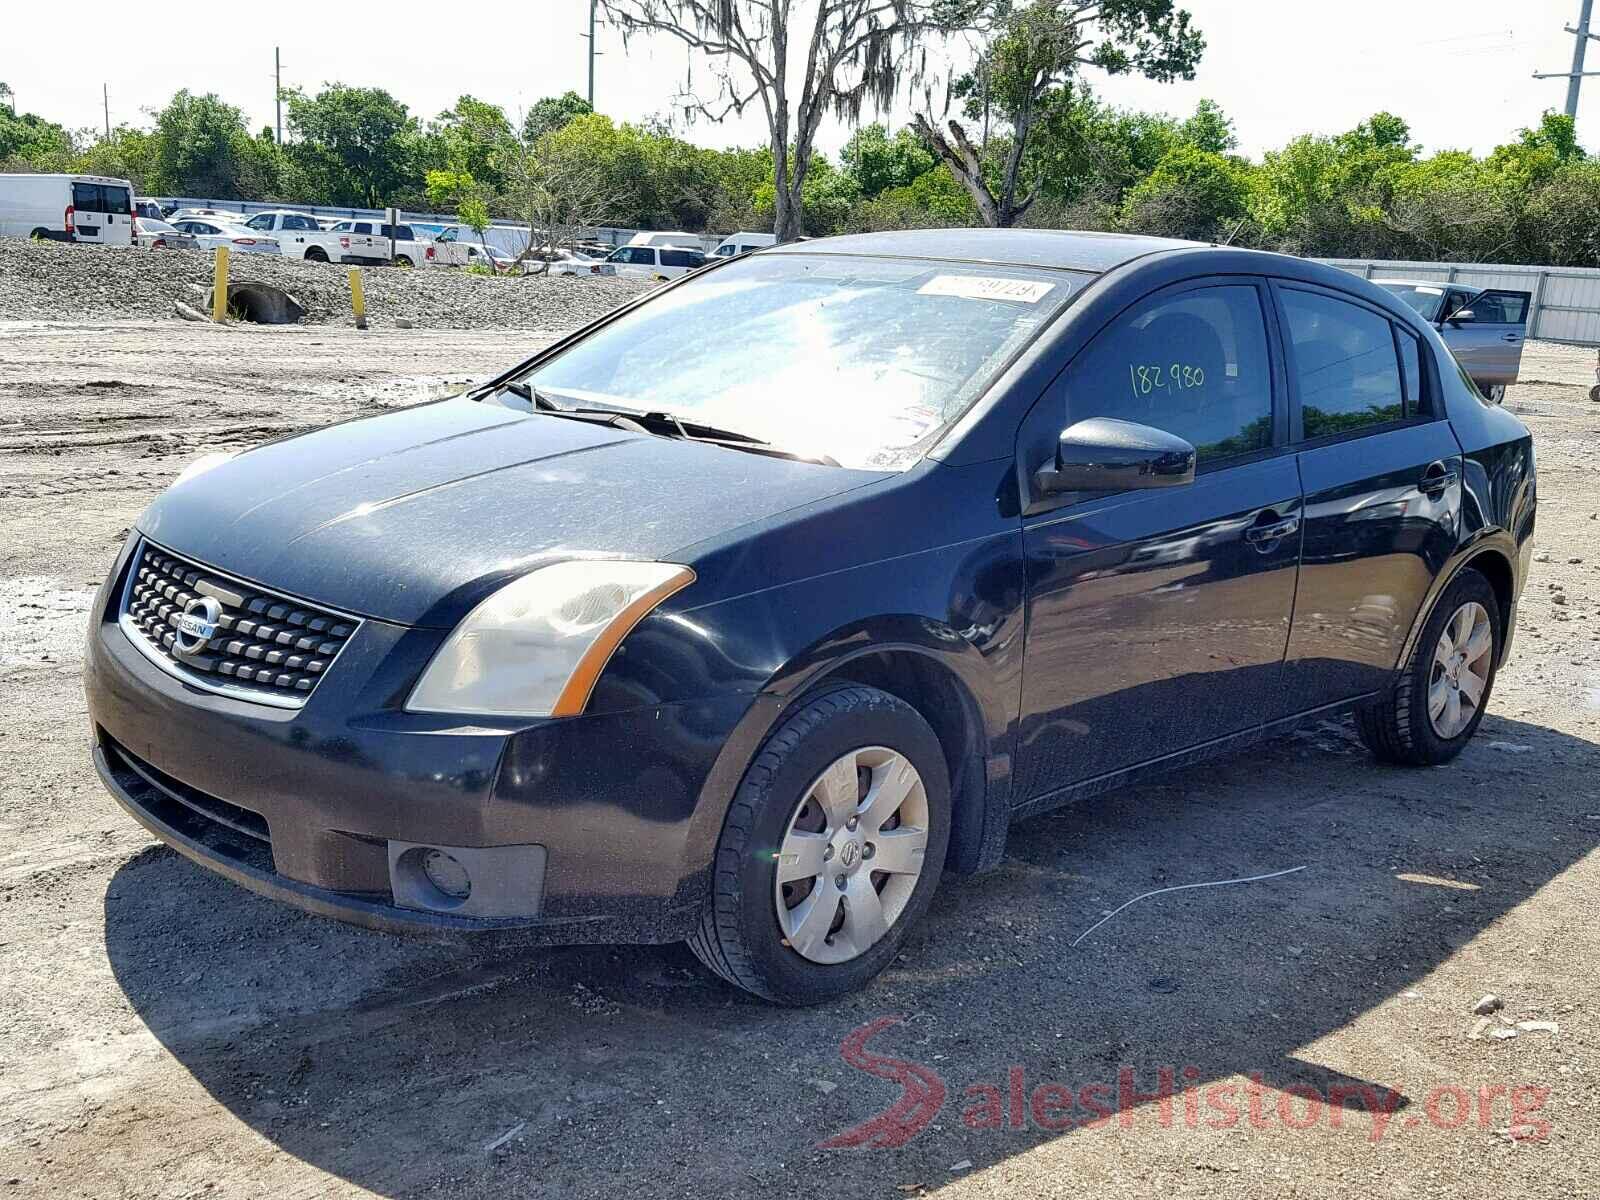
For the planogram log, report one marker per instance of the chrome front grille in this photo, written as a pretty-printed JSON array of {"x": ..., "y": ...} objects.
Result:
[{"x": 264, "y": 647}]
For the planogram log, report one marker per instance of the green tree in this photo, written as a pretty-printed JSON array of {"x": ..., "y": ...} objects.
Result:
[
  {"x": 878, "y": 162},
  {"x": 353, "y": 145},
  {"x": 1192, "y": 193},
  {"x": 553, "y": 113},
  {"x": 1029, "y": 64},
  {"x": 472, "y": 136},
  {"x": 29, "y": 140},
  {"x": 850, "y": 53},
  {"x": 201, "y": 147}
]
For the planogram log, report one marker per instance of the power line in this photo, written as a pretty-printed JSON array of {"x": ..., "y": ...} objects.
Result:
[{"x": 1574, "y": 77}]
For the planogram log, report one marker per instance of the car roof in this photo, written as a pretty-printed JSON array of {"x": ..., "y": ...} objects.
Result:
[{"x": 1062, "y": 248}]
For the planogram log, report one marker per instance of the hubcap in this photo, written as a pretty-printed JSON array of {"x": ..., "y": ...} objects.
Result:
[
  {"x": 1460, "y": 672},
  {"x": 852, "y": 855}
]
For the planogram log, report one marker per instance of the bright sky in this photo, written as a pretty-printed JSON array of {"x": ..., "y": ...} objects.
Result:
[{"x": 1458, "y": 72}]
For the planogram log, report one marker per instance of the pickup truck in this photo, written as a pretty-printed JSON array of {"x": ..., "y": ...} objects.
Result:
[
  {"x": 1484, "y": 327},
  {"x": 299, "y": 236},
  {"x": 409, "y": 249},
  {"x": 452, "y": 248}
]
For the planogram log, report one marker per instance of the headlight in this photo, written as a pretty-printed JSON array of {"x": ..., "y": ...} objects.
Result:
[
  {"x": 536, "y": 647},
  {"x": 203, "y": 464}
]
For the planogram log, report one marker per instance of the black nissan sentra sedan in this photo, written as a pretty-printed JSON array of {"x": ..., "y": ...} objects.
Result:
[{"x": 745, "y": 613}]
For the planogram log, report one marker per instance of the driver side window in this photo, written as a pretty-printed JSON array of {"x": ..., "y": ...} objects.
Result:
[{"x": 1193, "y": 363}]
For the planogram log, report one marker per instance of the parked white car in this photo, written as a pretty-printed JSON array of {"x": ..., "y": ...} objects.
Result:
[
  {"x": 656, "y": 262},
  {"x": 209, "y": 233},
  {"x": 299, "y": 236},
  {"x": 67, "y": 208},
  {"x": 151, "y": 234},
  {"x": 743, "y": 243}
]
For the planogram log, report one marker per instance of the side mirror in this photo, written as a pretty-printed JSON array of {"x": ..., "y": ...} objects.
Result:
[
  {"x": 1462, "y": 316},
  {"x": 1102, "y": 454}
]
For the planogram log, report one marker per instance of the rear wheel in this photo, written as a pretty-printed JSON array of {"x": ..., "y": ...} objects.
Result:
[
  {"x": 1439, "y": 699},
  {"x": 316, "y": 254},
  {"x": 831, "y": 850},
  {"x": 1496, "y": 393},
  {"x": 402, "y": 260}
]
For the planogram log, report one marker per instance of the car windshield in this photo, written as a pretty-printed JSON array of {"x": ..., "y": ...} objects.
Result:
[
  {"x": 1423, "y": 297},
  {"x": 865, "y": 361}
]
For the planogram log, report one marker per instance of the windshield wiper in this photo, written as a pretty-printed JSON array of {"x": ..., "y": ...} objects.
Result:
[
  {"x": 692, "y": 431},
  {"x": 661, "y": 424}
]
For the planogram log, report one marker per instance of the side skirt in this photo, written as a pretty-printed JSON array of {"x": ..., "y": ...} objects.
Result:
[{"x": 1216, "y": 748}]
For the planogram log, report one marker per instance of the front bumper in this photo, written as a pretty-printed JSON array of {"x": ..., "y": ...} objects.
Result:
[{"x": 579, "y": 829}]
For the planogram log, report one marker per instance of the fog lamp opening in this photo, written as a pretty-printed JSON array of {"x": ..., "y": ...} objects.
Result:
[{"x": 446, "y": 874}]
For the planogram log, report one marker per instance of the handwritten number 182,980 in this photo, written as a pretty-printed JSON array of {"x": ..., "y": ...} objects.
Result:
[{"x": 1172, "y": 377}]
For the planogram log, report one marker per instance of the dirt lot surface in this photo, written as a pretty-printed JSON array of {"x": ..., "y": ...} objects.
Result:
[
  {"x": 112, "y": 283},
  {"x": 163, "y": 1033}
]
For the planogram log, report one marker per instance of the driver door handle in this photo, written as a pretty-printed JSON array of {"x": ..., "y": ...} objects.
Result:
[{"x": 1269, "y": 528}]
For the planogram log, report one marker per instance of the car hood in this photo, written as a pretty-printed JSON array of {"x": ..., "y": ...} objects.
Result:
[{"x": 415, "y": 516}]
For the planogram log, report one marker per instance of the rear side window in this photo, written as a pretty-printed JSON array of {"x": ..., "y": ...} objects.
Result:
[
  {"x": 1345, "y": 365},
  {"x": 1194, "y": 364},
  {"x": 682, "y": 258}
]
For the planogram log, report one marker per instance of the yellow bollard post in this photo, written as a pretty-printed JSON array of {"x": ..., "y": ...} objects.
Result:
[
  {"x": 358, "y": 299},
  {"x": 219, "y": 287}
]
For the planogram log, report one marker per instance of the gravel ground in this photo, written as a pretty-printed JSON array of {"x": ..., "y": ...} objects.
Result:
[
  {"x": 45, "y": 280},
  {"x": 165, "y": 1034}
]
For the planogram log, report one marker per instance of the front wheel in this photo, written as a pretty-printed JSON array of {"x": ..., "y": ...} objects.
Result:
[
  {"x": 831, "y": 850},
  {"x": 316, "y": 254},
  {"x": 1436, "y": 704}
]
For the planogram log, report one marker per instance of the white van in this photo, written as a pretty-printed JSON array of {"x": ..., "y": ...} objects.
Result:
[
  {"x": 678, "y": 239},
  {"x": 743, "y": 243},
  {"x": 656, "y": 262},
  {"x": 67, "y": 208}
]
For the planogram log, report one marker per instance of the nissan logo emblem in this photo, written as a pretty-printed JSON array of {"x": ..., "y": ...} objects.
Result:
[{"x": 197, "y": 624}]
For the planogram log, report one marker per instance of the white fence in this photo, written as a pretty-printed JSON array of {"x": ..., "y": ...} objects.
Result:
[{"x": 1566, "y": 300}]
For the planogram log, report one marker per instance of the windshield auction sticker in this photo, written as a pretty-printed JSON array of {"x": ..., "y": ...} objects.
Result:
[{"x": 987, "y": 287}]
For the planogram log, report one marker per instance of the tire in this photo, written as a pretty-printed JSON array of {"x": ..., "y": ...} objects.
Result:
[
  {"x": 402, "y": 260},
  {"x": 40, "y": 235},
  {"x": 316, "y": 254},
  {"x": 1496, "y": 393},
  {"x": 739, "y": 935},
  {"x": 1399, "y": 728}
]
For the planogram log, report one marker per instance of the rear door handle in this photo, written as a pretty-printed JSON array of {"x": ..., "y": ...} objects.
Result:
[
  {"x": 1436, "y": 478},
  {"x": 1266, "y": 532}
]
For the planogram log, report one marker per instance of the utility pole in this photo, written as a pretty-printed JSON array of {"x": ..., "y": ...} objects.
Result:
[
  {"x": 1574, "y": 77},
  {"x": 590, "y": 35},
  {"x": 277, "y": 88},
  {"x": 105, "y": 96}
]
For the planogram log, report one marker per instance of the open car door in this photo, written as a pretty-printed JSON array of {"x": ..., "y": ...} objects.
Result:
[{"x": 1486, "y": 337}]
